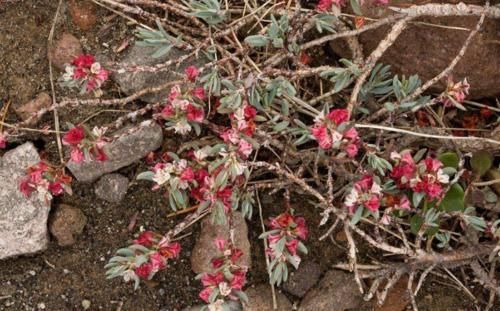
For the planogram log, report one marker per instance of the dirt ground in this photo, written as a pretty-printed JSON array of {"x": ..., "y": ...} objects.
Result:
[{"x": 60, "y": 278}]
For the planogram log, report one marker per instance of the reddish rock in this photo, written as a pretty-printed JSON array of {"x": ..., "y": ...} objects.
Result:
[
  {"x": 205, "y": 249},
  {"x": 67, "y": 222},
  {"x": 426, "y": 50},
  {"x": 82, "y": 13},
  {"x": 43, "y": 100},
  {"x": 64, "y": 50},
  {"x": 301, "y": 280},
  {"x": 260, "y": 298}
]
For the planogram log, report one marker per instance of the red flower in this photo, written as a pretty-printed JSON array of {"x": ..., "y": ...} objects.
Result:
[
  {"x": 301, "y": 230},
  {"x": 199, "y": 93},
  {"x": 338, "y": 116},
  {"x": 56, "y": 188},
  {"x": 324, "y": 5},
  {"x": 3, "y": 140},
  {"x": 171, "y": 250},
  {"x": 282, "y": 221},
  {"x": 292, "y": 246},
  {"x": 217, "y": 263},
  {"x": 249, "y": 112},
  {"x": 25, "y": 187},
  {"x": 187, "y": 174},
  {"x": 238, "y": 280},
  {"x": 84, "y": 60},
  {"x": 100, "y": 155},
  {"x": 191, "y": 73},
  {"x": 167, "y": 112},
  {"x": 320, "y": 133},
  {"x": 74, "y": 136},
  {"x": 373, "y": 203},
  {"x": 432, "y": 165},
  {"x": 352, "y": 150},
  {"x": 205, "y": 294},
  {"x": 77, "y": 155},
  {"x": 145, "y": 239},
  {"x": 236, "y": 254},
  {"x": 157, "y": 261},
  {"x": 194, "y": 114},
  {"x": 212, "y": 279},
  {"x": 144, "y": 270}
]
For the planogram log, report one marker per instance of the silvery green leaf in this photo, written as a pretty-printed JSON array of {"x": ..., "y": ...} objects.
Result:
[
  {"x": 257, "y": 40},
  {"x": 148, "y": 175}
]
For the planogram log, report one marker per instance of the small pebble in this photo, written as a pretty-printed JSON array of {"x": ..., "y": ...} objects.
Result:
[
  {"x": 41, "y": 306},
  {"x": 86, "y": 304}
]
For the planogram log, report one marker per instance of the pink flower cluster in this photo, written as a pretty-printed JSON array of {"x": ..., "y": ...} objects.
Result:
[
  {"x": 425, "y": 177},
  {"x": 243, "y": 123},
  {"x": 86, "y": 72},
  {"x": 45, "y": 180},
  {"x": 291, "y": 228},
  {"x": 228, "y": 277},
  {"x": 455, "y": 93},
  {"x": 161, "y": 251},
  {"x": 178, "y": 173},
  {"x": 208, "y": 192},
  {"x": 365, "y": 192},
  {"x": 181, "y": 112},
  {"x": 332, "y": 132},
  {"x": 83, "y": 143}
]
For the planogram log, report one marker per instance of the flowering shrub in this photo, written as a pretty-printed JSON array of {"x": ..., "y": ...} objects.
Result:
[
  {"x": 84, "y": 73},
  {"x": 46, "y": 181},
  {"x": 285, "y": 242},
  {"x": 268, "y": 115},
  {"x": 227, "y": 279},
  {"x": 85, "y": 144},
  {"x": 148, "y": 254}
]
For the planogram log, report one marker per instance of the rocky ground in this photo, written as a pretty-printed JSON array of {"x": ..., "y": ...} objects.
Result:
[{"x": 52, "y": 254}]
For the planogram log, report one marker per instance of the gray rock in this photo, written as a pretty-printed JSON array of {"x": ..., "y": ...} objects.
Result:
[
  {"x": 231, "y": 306},
  {"x": 127, "y": 149},
  {"x": 23, "y": 221},
  {"x": 66, "y": 224},
  {"x": 112, "y": 187},
  {"x": 131, "y": 82},
  {"x": 337, "y": 291},
  {"x": 204, "y": 249},
  {"x": 260, "y": 298},
  {"x": 300, "y": 281}
]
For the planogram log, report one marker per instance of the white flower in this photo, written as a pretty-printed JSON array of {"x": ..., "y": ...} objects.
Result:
[
  {"x": 352, "y": 198},
  {"x": 68, "y": 74},
  {"x": 218, "y": 305},
  {"x": 224, "y": 289},
  {"x": 443, "y": 178},
  {"x": 395, "y": 156},
  {"x": 180, "y": 103},
  {"x": 336, "y": 136},
  {"x": 99, "y": 131},
  {"x": 376, "y": 189},
  {"x": 201, "y": 154},
  {"x": 95, "y": 68},
  {"x": 163, "y": 175},
  {"x": 182, "y": 127}
]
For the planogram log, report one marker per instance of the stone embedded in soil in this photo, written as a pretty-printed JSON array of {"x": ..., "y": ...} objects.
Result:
[
  {"x": 112, "y": 187},
  {"x": 260, "y": 298},
  {"x": 131, "y": 82},
  {"x": 132, "y": 146},
  {"x": 397, "y": 298},
  {"x": 337, "y": 291},
  {"x": 231, "y": 306},
  {"x": 82, "y": 13},
  {"x": 64, "y": 50},
  {"x": 66, "y": 224},
  {"x": 23, "y": 221},
  {"x": 301, "y": 280},
  {"x": 204, "y": 249},
  {"x": 426, "y": 51},
  {"x": 43, "y": 100}
]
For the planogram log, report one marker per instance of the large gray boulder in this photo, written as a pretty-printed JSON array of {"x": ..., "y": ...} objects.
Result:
[
  {"x": 128, "y": 148},
  {"x": 23, "y": 221}
]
